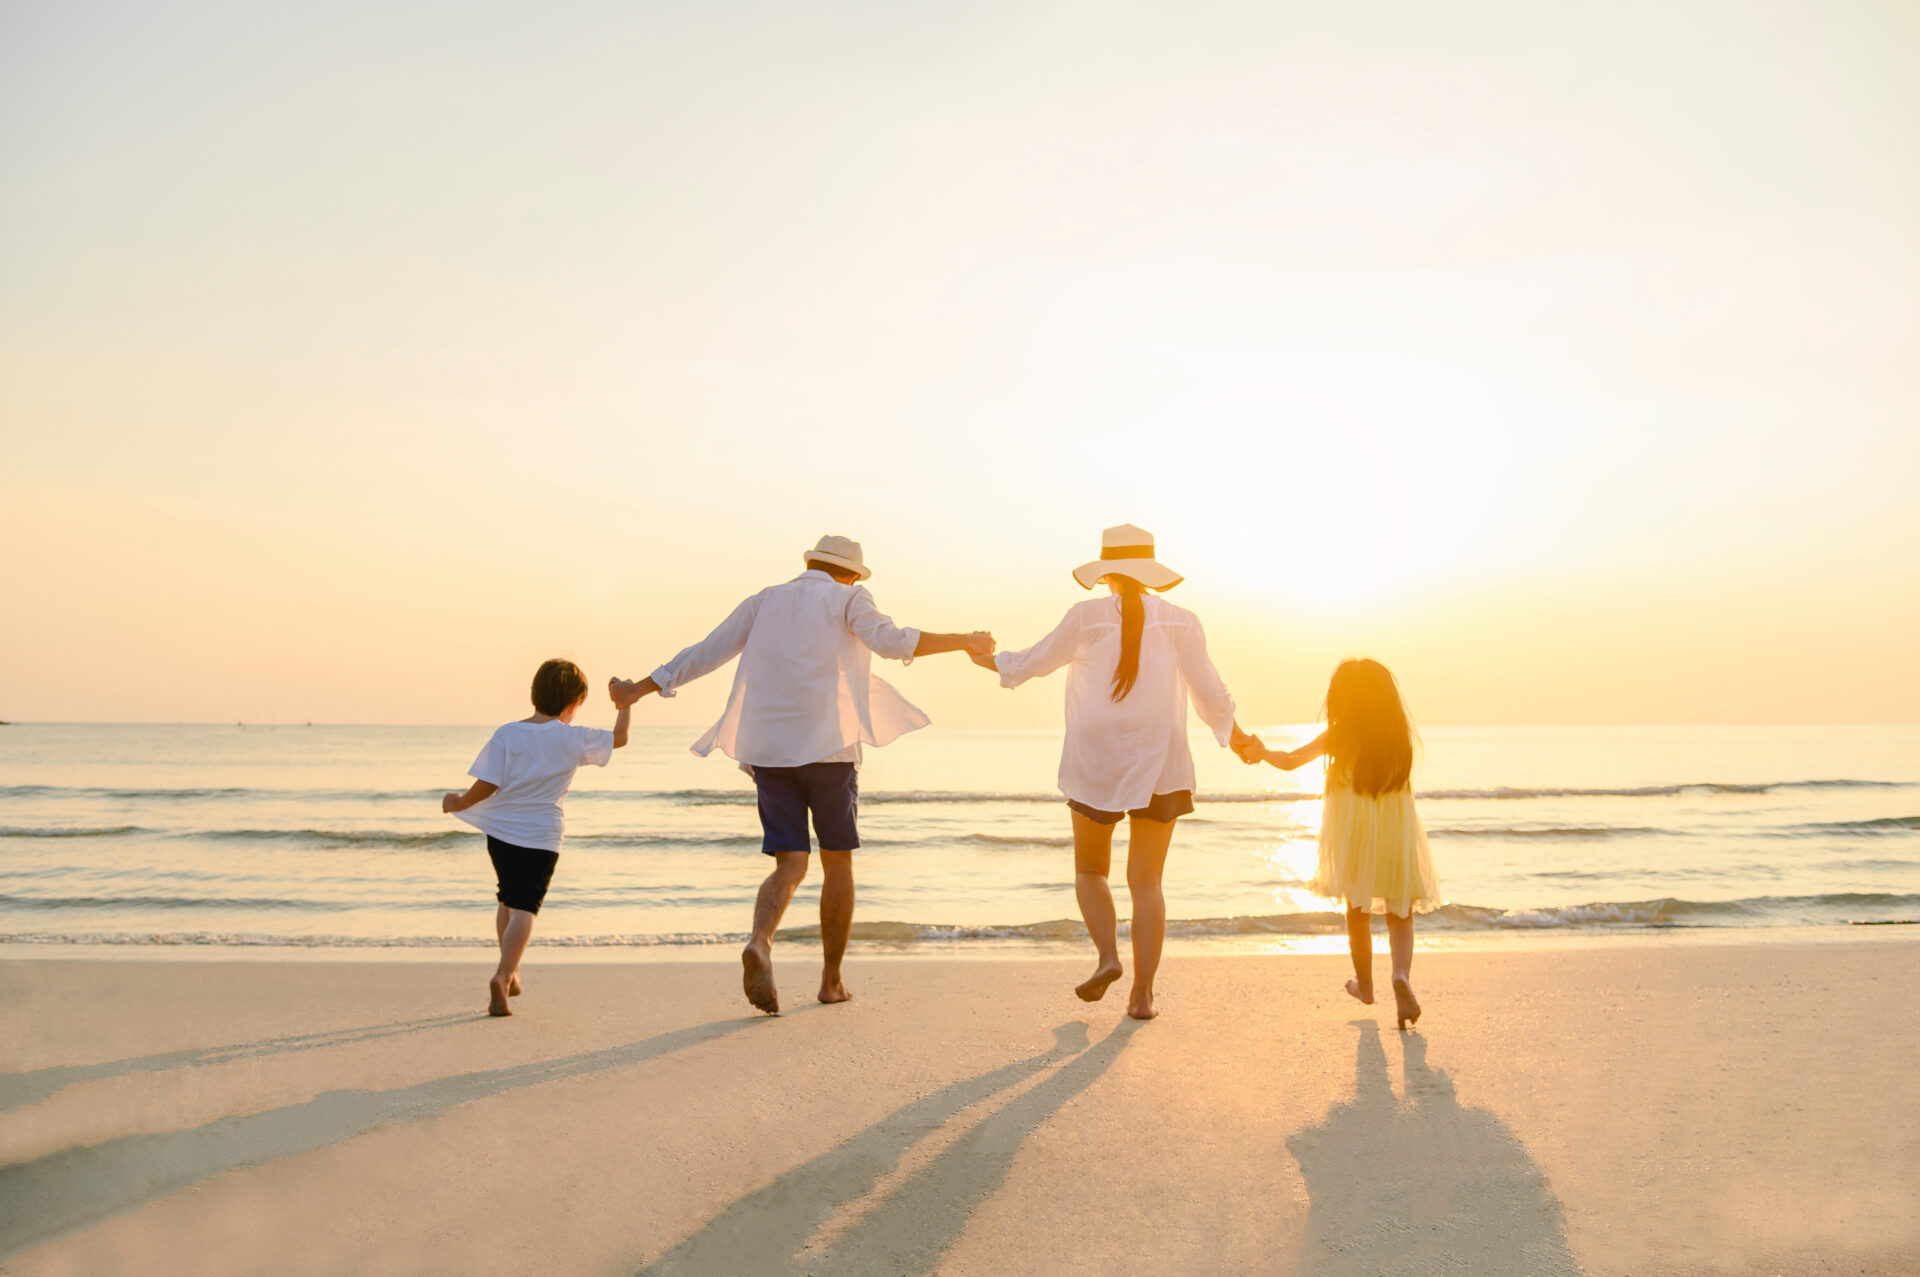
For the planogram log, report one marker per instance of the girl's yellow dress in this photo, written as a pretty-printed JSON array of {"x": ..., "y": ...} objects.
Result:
[{"x": 1373, "y": 850}]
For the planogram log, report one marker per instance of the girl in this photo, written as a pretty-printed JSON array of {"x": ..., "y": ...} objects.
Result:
[
  {"x": 1373, "y": 852},
  {"x": 1133, "y": 662}
]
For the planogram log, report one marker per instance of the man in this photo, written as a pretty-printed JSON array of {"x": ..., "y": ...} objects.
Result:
[{"x": 804, "y": 701}]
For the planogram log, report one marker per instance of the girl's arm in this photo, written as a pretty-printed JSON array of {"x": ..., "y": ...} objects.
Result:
[
  {"x": 1287, "y": 760},
  {"x": 480, "y": 792}
]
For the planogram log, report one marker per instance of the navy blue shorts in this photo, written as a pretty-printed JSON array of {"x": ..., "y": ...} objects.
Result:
[{"x": 829, "y": 791}]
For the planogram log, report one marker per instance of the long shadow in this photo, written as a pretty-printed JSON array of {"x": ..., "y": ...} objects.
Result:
[
  {"x": 1422, "y": 1184},
  {"x": 77, "y": 1187},
  {"x": 18, "y": 1090},
  {"x": 766, "y": 1232}
]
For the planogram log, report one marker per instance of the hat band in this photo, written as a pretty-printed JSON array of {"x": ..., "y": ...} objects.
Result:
[{"x": 1127, "y": 552}]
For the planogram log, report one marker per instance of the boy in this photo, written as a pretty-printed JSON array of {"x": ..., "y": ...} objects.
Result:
[{"x": 520, "y": 780}]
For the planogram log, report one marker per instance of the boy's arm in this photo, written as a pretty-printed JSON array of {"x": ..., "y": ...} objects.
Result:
[
  {"x": 621, "y": 722},
  {"x": 481, "y": 791}
]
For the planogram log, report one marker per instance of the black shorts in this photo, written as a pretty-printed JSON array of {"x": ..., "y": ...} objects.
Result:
[
  {"x": 1162, "y": 807},
  {"x": 830, "y": 792},
  {"x": 522, "y": 873}
]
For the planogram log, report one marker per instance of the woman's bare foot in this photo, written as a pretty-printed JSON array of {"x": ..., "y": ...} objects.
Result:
[
  {"x": 1141, "y": 1008},
  {"x": 513, "y": 985},
  {"x": 1364, "y": 992},
  {"x": 497, "y": 997},
  {"x": 756, "y": 979},
  {"x": 1095, "y": 986},
  {"x": 832, "y": 991},
  {"x": 1406, "y": 1007}
]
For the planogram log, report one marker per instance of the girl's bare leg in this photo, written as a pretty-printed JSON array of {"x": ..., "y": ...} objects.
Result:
[
  {"x": 1360, "y": 945},
  {"x": 1092, "y": 860},
  {"x": 1400, "y": 939},
  {"x": 513, "y": 943},
  {"x": 1147, "y": 843}
]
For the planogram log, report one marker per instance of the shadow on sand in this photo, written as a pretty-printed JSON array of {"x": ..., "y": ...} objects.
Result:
[
  {"x": 77, "y": 1187},
  {"x": 18, "y": 1090},
  {"x": 767, "y": 1232},
  {"x": 1422, "y": 1184}
]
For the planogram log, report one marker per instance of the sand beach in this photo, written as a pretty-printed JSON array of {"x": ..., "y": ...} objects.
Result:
[{"x": 1627, "y": 1108}]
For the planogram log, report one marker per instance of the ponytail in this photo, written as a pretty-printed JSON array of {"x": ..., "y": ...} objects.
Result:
[{"x": 1133, "y": 619}]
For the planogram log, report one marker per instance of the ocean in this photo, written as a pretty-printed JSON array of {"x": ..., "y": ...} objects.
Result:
[{"x": 332, "y": 837}]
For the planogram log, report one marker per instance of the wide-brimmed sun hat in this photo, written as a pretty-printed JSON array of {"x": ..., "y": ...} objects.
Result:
[
  {"x": 1127, "y": 551},
  {"x": 842, "y": 552}
]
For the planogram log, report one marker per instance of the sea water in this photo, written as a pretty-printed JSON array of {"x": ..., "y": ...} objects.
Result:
[{"x": 332, "y": 836}]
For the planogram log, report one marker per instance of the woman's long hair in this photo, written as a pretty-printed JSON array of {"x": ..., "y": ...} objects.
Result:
[
  {"x": 1368, "y": 733},
  {"x": 1133, "y": 619}
]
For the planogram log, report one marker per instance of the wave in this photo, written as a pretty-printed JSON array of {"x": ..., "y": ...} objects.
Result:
[
  {"x": 175, "y": 902},
  {"x": 1571, "y": 832},
  {"x": 1663, "y": 791},
  {"x": 1859, "y": 828},
  {"x": 1840, "y": 908},
  {"x": 113, "y": 831}
]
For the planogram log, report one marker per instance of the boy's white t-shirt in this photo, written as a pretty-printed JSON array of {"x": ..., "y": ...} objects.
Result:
[{"x": 533, "y": 766}]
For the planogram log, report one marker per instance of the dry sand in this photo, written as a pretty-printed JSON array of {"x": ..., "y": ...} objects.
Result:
[{"x": 1640, "y": 1109}]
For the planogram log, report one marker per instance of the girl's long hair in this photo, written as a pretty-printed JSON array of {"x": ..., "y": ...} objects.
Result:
[
  {"x": 1368, "y": 733},
  {"x": 1133, "y": 619}
]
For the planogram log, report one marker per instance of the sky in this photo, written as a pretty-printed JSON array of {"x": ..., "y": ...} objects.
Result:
[{"x": 355, "y": 358}]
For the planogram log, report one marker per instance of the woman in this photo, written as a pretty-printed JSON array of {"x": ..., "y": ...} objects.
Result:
[{"x": 1135, "y": 659}]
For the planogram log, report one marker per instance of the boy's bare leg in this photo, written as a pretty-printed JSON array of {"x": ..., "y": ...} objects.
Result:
[
  {"x": 756, "y": 960},
  {"x": 1147, "y": 843},
  {"x": 1360, "y": 948},
  {"x": 513, "y": 943},
  {"x": 836, "y": 920},
  {"x": 1092, "y": 859},
  {"x": 500, "y": 916}
]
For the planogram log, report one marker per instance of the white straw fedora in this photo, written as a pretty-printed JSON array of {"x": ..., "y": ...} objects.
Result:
[
  {"x": 1127, "y": 551},
  {"x": 842, "y": 552}
]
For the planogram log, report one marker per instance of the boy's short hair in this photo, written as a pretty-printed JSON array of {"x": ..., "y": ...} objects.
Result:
[{"x": 556, "y": 685}]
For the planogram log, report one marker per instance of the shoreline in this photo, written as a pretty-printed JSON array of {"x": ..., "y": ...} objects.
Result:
[{"x": 462, "y": 950}]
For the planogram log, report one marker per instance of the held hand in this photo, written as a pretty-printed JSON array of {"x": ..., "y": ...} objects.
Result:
[
  {"x": 1252, "y": 750},
  {"x": 622, "y": 692},
  {"x": 978, "y": 644},
  {"x": 983, "y": 659},
  {"x": 450, "y": 802}
]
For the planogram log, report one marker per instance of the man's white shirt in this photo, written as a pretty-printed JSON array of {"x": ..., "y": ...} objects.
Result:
[{"x": 805, "y": 691}]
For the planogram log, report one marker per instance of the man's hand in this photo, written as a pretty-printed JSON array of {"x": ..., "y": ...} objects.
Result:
[
  {"x": 983, "y": 659},
  {"x": 978, "y": 644},
  {"x": 624, "y": 692}
]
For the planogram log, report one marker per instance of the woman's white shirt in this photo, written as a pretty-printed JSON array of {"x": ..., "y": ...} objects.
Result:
[
  {"x": 532, "y": 764},
  {"x": 1119, "y": 754}
]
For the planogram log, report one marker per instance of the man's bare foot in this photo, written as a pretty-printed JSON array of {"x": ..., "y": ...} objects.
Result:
[
  {"x": 1141, "y": 1008},
  {"x": 1364, "y": 992},
  {"x": 1406, "y": 1007},
  {"x": 1095, "y": 986},
  {"x": 832, "y": 991},
  {"x": 513, "y": 985},
  {"x": 756, "y": 979},
  {"x": 497, "y": 997}
]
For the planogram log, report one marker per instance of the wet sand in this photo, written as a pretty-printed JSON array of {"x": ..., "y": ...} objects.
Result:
[{"x": 1633, "y": 1109}]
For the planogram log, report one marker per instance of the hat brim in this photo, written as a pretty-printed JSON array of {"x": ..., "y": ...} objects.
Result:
[
  {"x": 1151, "y": 573},
  {"x": 859, "y": 570}
]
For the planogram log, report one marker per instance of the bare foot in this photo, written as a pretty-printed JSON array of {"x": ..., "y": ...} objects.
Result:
[
  {"x": 832, "y": 991},
  {"x": 497, "y": 997},
  {"x": 1094, "y": 987},
  {"x": 1364, "y": 992},
  {"x": 513, "y": 985},
  {"x": 1406, "y": 1007},
  {"x": 1141, "y": 1008},
  {"x": 756, "y": 979}
]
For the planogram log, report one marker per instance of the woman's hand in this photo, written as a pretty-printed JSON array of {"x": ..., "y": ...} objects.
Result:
[
  {"x": 983, "y": 659},
  {"x": 978, "y": 644}
]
